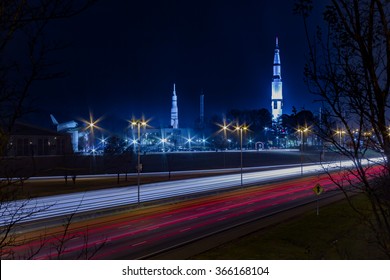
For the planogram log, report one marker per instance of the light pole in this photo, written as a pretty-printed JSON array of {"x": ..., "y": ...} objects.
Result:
[
  {"x": 225, "y": 145},
  {"x": 91, "y": 145},
  {"x": 138, "y": 123},
  {"x": 301, "y": 131},
  {"x": 163, "y": 141},
  {"x": 340, "y": 132},
  {"x": 241, "y": 128}
]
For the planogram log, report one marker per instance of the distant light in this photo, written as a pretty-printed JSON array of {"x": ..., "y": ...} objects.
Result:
[{"x": 138, "y": 123}]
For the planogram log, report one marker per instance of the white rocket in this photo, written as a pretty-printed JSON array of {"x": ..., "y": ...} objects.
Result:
[
  {"x": 174, "y": 110},
  {"x": 277, "y": 96}
]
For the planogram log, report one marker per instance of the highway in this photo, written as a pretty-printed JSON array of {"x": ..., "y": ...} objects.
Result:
[
  {"x": 135, "y": 235},
  {"x": 60, "y": 205},
  {"x": 23, "y": 211},
  {"x": 146, "y": 231}
]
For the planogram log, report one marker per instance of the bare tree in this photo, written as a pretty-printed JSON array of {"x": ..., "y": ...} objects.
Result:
[
  {"x": 50, "y": 244},
  {"x": 12, "y": 214},
  {"x": 25, "y": 52},
  {"x": 62, "y": 241},
  {"x": 347, "y": 68}
]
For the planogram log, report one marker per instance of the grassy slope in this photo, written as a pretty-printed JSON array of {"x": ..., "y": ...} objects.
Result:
[{"x": 335, "y": 234}]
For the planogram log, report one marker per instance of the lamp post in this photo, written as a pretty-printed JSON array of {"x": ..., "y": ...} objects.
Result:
[
  {"x": 241, "y": 128},
  {"x": 302, "y": 130},
  {"x": 340, "y": 132},
  {"x": 163, "y": 141},
  {"x": 225, "y": 145},
  {"x": 91, "y": 140},
  {"x": 91, "y": 144},
  {"x": 138, "y": 123}
]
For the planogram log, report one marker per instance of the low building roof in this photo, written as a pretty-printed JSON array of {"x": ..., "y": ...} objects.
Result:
[{"x": 27, "y": 129}]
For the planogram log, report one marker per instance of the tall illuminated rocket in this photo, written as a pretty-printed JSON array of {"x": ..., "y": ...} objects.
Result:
[
  {"x": 174, "y": 110},
  {"x": 277, "y": 96}
]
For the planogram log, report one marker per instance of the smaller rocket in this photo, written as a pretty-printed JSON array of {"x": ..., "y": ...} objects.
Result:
[{"x": 174, "y": 110}]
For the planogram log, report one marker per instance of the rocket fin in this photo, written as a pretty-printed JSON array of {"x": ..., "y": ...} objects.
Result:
[{"x": 53, "y": 119}]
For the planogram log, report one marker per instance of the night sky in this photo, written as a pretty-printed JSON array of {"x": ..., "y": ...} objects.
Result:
[{"x": 124, "y": 56}]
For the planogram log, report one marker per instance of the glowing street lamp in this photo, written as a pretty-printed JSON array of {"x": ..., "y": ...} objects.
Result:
[
  {"x": 250, "y": 144},
  {"x": 163, "y": 142},
  {"x": 138, "y": 123},
  {"x": 226, "y": 142},
  {"x": 302, "y": 130},
  {"x": 189, "y": 141},
  {"x": 103, "y": 142},
  {"x": 240, "y": 129},
  {"x": 340, "y": 132},
  {"x": 91, "y": 125}
]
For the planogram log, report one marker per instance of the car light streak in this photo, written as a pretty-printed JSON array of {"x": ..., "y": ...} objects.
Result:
[
  {"x": 154, "y": 228},
  {"x": 261, "y": 199},
  {"x": 60, "y": 205}
]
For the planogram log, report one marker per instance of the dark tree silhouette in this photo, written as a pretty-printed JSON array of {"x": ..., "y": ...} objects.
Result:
[
  {"x": 347, "y": 69},
  {"x": 24, "y": 61}
]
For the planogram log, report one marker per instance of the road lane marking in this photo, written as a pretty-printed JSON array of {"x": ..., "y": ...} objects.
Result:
[
  {"x": 183, "y": 230},
  {"x": 125, "y": 226},
  {"x": 137, "y": 244},
  {"x": 191, "y": 218},
  {"x": 153, "y": 228}
]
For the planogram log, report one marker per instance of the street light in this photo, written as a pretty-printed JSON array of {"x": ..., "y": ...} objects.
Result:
[
  {"x": 163, "y": 142},
  {"x": 340, "y": 132},
  {"x": 90, "y": 127},
  {"x": 138, "y": 123},
  {"x": 302, "y": 130},
  {"x": 241, "y": 128},
  {"x": 226, "y": 143}
]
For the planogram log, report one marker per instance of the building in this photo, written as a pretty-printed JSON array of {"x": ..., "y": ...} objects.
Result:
[
  {"x": 277, "y": 95},
  {"x": 28, "y": 140}
]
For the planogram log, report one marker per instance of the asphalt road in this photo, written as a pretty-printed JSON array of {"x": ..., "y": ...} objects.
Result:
[
  {"x": 154, "y": 230},
  {"x": 148, "y": 231},
  {"x": 23, "y": 211}
]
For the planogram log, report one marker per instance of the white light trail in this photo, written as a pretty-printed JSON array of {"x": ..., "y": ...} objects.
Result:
[{"x": 60, "y": 205}]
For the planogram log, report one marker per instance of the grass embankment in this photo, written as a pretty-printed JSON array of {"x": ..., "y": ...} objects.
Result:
[{"x": 337, "y": 233}]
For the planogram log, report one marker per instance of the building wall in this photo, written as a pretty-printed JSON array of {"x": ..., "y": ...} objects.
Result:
[{"x": 39, "y": 145}]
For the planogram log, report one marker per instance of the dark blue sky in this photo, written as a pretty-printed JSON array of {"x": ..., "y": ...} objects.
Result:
[{"x": 124, "y": 57}]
